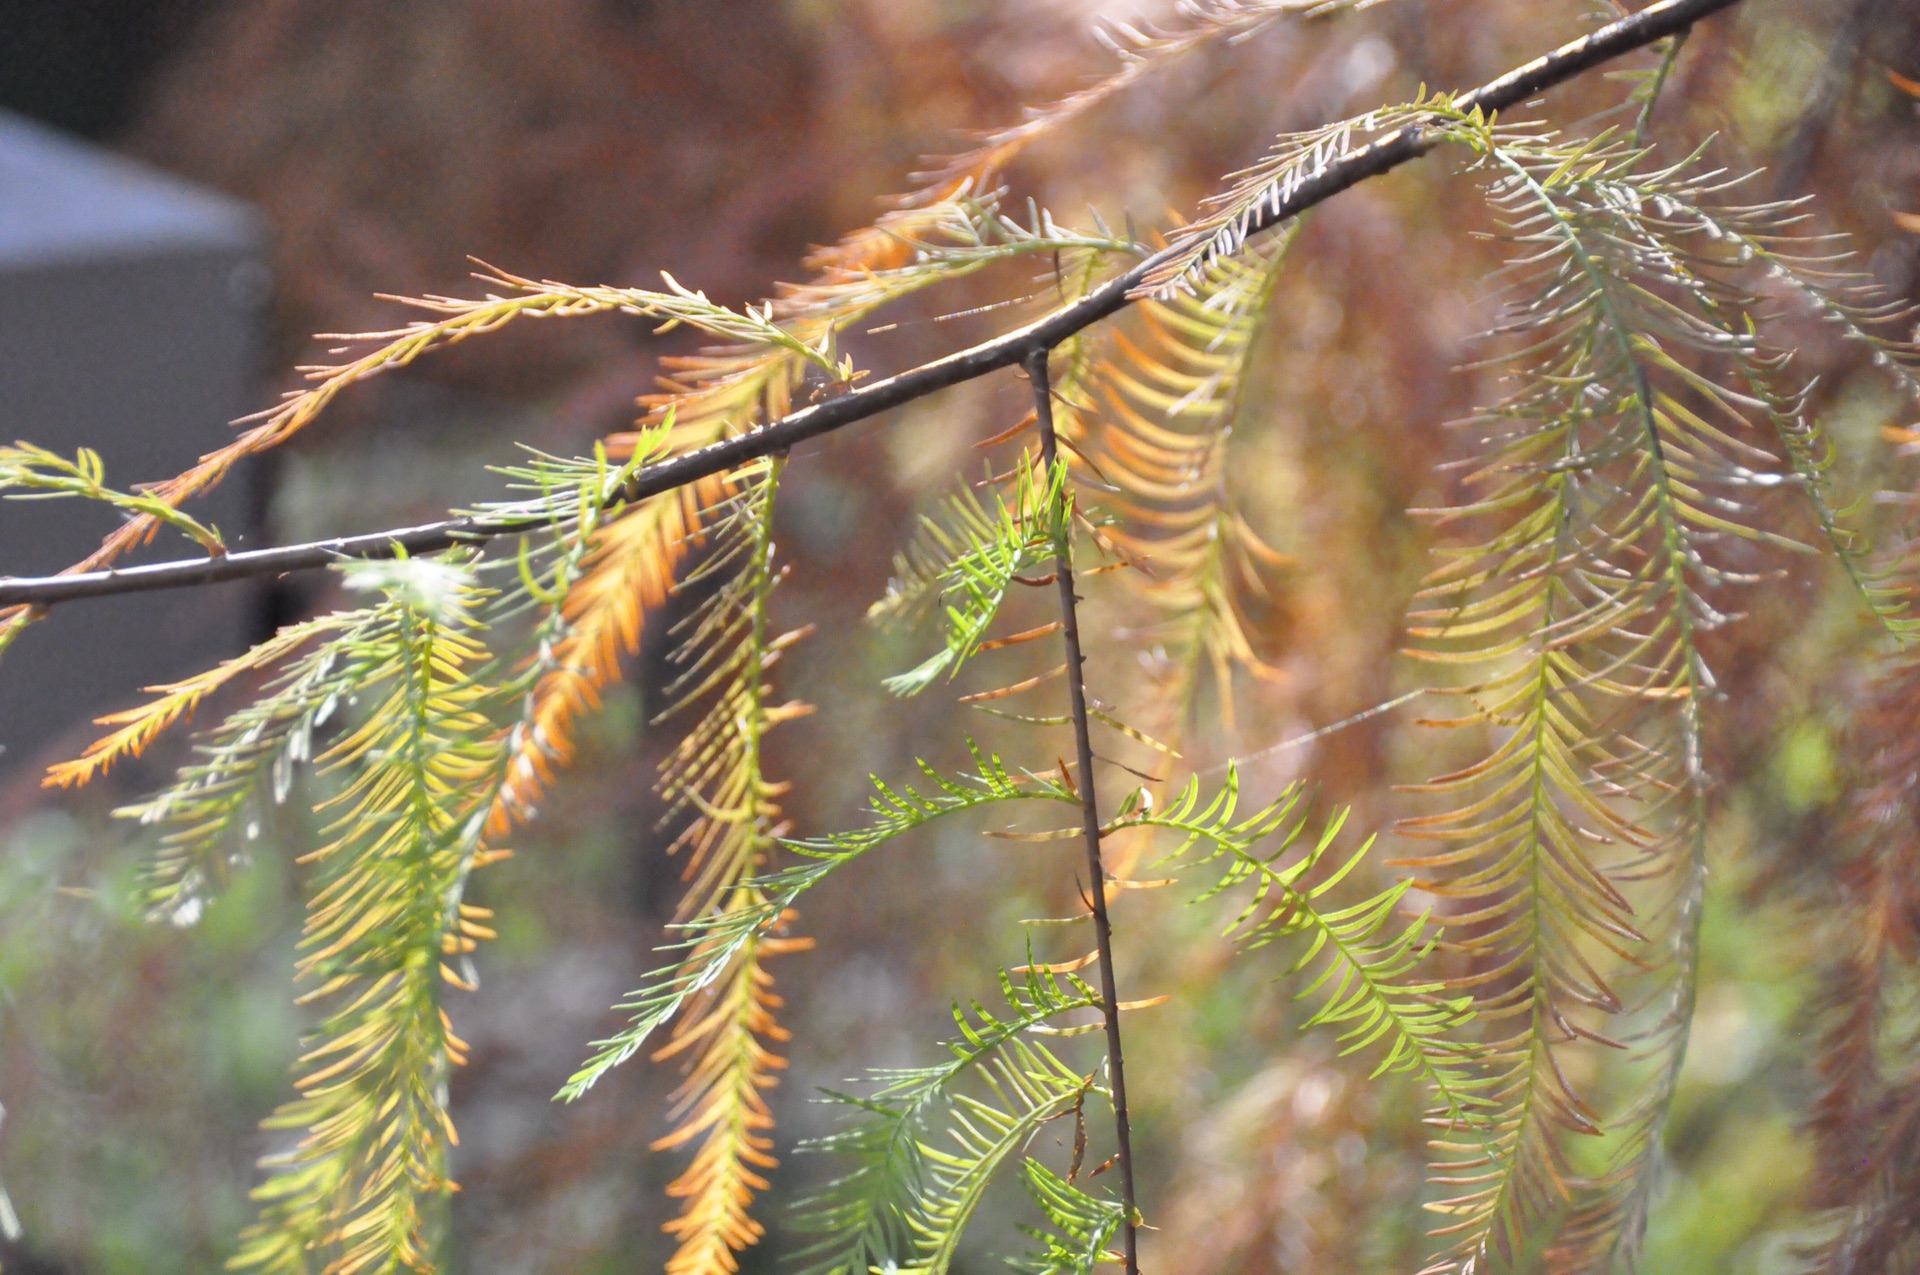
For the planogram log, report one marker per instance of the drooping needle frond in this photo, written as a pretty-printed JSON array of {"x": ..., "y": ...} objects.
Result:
[
  {"x": 1228, "y": 218},
  {"x": 136, "y": 728},
  {"x": 1028, "y": 1088},
  {"x": 1570, "y": 857},
  {"x": 418, "y": 772},
  {"x": 1162, "y": 403},
  {"x": 865, "y": 1218},
  {"x": 727, "y": 1030},
  {"x": 1363, "y": 976},
  {"x": 1766, "y": 239},
  {"x": 362, "y": 1187},
  {"x": 709, "y": 945},
  {"x": 1866, "y": 1111},
  {"x": 247, "y": 764},
  {"x": 1141, "y": 50},
  {"x": 1080, "y": 1226},
  {"x": 632, "y": 560}
]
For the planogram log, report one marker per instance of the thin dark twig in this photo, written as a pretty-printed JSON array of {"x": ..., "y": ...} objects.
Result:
[
  {"x": 1643, "y": 125},
  {"x": 1036, "y": 364},
  {"x": 1656, "y": 22}
]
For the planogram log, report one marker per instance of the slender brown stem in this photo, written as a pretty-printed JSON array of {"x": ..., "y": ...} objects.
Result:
[
  {"x": 1656, "y": 22},
  {"x": 1089, "y": 813}
]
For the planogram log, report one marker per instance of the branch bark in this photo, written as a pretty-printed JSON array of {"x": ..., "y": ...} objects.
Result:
[{"x": 1656, "y": 22}]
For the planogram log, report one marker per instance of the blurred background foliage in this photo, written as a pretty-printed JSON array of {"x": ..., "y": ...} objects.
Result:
[{"x": 601, "y": 140}]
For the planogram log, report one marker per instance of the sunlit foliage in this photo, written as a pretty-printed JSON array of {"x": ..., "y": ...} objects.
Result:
[{"x": 1526, "y": 960}]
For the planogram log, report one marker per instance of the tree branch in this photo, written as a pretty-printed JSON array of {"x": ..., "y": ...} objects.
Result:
[
  {"x": 1656, "y": 22},
  {"x": 1036, "y": 365}
]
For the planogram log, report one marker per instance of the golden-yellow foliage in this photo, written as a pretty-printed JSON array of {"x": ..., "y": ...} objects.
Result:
[
  {"x": 630, "y": 570},
  {"x": 722, "y": 1104},
  {"x": 140, "y": 726},
  {"x": 362, "y": 1188},
  {"x": 717, "y": 772},
  {"x": 1159, "y": 415}
]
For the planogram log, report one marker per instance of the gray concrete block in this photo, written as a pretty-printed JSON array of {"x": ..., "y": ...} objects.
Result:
[{"x": 131, "y": 306}]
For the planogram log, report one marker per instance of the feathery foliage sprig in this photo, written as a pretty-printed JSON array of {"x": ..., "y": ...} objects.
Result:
[
  {"x": 709, "y": 945},
  {"x": 1156, "y": 423},
  {"x": 363, "y": 1186},
  {"x": 865, "y": 1218},
  {"x": 1572, "y": 854},
  {"x": 968, "y": 562},
  {"x": 1028, "y": 1088},
  {"x": 727, "y": 1030},
  {"x": 34, "y": 473},
  {"x": 421, "y": 774},
  {"x": 1228, "y": 218},
  {"x": 247, "y": 765},
  {"x": 1363, "y": 972},
  {"x": 1767, "y": 239},
  {"x": 136, "y": 728},
  {"x": 1080, "y": 1227}
]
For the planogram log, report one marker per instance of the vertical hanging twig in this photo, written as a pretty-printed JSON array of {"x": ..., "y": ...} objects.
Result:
[{"x": 1036, "y": 364}]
